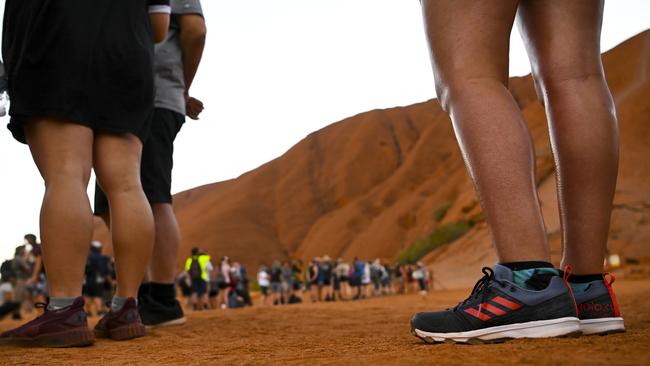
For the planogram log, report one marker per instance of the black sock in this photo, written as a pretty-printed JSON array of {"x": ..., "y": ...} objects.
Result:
[
  {"x": 144, "y": 290},
  {"x": 585, "y": 278},
  {"x": 164, "y": 293},
  {"x": 518, "y": 266}
]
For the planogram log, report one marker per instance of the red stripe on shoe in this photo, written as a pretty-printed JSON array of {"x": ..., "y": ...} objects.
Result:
[
  {"x": 608, "y": 284},
  {"x": 568, "y": 270},
  {"x": 493, "y": 309},
  {"x": 507, "y": 303},
  {"x": 478, "y": 314}
]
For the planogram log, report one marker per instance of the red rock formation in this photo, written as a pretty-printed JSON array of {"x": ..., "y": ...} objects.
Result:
[{"x": 369, "y": 185}]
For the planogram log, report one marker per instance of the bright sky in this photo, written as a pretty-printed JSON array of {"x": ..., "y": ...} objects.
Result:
[{"x": 276, "y": 70}]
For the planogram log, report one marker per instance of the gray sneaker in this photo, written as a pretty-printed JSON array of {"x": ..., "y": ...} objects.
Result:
[{"x": 498, "y": 310}]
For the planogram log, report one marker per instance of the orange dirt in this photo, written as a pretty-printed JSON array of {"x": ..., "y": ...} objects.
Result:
[{"x": 372, "y": 331}]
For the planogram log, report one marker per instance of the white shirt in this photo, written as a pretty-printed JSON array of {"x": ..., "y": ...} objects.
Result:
[{"x": 263, "y": 279}]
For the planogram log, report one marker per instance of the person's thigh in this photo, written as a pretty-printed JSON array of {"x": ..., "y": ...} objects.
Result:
[
  {"x": 562, "y": 37},
  {"x": 468, "y": 39},
  {"x": 60, "y": 148}
]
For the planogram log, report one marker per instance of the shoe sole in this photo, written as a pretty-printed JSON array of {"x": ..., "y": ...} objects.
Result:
[
  {"x": 602, "y": 326},
  {"x": 560, "y": 327},
  {"x": 169, "y": 323},
  {"x": 123, "y": 333},
  {"x": 70, "y": 338}
]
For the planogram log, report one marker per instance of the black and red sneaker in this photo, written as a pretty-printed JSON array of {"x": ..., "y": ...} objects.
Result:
[
  {"x": 597, "y": 307},
  {"x": 66, "y": 327},
  {"x": 498, "y": 310},
  {"x": 121, "y": 325}
]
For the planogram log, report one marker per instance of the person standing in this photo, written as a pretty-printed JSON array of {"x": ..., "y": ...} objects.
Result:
[
  {"x": 198, "y": 267},
  {"x": 7, "y": 302},
  {"x": 469, "y": 43},
  {"x": 176, "y": 61},
  {"x": 82, "y": 98},
  {"x": 95, "y": 278},
  {"x": 37, "y": 283},
  {"x": 21, "y": 272},
  {"x": 264, "y": 281}
]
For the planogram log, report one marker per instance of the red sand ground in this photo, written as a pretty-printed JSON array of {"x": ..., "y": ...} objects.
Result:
[{"x": 372, "y": 331}]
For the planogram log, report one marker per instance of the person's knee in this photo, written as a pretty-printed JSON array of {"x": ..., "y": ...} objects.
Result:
[
  {"x": 457, "y": 91},
  {"x": 553, "y": 79},
  {"x": 68, "y": 173},
  {"x": 117, "y": 184}
]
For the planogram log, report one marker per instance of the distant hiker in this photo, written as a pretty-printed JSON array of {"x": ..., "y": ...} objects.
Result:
[
  {"x": 287, "y": 281},
  {"x": 21, "y": 272},
  {"x": 357, "y": 272},
  {"x": 37, "y": 283},
  {"x": 7, "y": 303},
  {"x": 241, "y": 281},
  {"x": 312, "y": 277},
  {"x": 386, "y": 278},
  {"x": 213, "y": 288},
  {"x": 176, "y": 61},
  {"x": 95, "y": 277},
  {"x": 375, "y": 276},
  {"x": 264, "y": 281},
  {"x": 225, "y": 282},
  {"x": 197, "y": 267},
  {"x": 420, "y": 276},
  {"x": 524, "y": 295},
  {"x": 366, "y": 280},
  {"x": 399, "y": 278},
  {"x": 276, "y": 283},
  {"x": 342, "y": 276}
]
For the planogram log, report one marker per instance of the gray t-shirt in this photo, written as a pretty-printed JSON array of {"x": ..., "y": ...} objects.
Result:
[{"x": 168, "y": 61}]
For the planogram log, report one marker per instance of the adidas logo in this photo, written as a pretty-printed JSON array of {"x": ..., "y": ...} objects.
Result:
[{"x": 497, "y": 306}]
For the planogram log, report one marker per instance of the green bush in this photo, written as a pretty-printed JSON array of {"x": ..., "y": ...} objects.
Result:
[
  {"x": 441, "y": 211},
  {"x": 441, "y": 236}
]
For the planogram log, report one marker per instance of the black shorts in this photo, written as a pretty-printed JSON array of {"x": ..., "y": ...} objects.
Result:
[
  {"x": 93, "y": 289},
  {"x": 214, "y": 290},
  {"x": 199, "y": 287},
  {"x": 87, "y": 62},
  {"x": 265, "y": 290},
  {"x": 157, "y": 160}
]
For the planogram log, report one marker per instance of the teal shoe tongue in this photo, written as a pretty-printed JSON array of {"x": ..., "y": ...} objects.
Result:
[{"x": 532, "y": 278}]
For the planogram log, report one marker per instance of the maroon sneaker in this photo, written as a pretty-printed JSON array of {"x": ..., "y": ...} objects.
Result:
[
  {"x": 65, "y": 327},
  {"x": 121, "y": 325}
]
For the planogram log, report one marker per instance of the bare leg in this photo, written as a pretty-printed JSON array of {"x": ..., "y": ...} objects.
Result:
[
  {"x": 63, "y": 153},
  {"x": 117, "y": 165},
  {"x": 563, "y": 40},
  {"x": 469, "y": 43},
  {"x": 168, "y": 240}
]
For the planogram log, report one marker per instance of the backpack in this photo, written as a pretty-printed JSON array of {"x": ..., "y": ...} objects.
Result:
[
  {"x": 6, "y": 270},
  {"x": 195, "y": 268}
]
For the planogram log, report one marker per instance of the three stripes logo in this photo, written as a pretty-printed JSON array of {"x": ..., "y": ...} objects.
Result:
[{"x": 500, "y": 306}]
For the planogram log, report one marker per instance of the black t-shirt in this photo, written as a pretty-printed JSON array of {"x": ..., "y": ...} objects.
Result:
[
  {"x": 276, "y": 274},
  {"x": 96, "y": 268}
]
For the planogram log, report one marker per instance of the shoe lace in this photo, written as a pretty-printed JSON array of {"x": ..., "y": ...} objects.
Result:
[{"x": 481, "y": 287}]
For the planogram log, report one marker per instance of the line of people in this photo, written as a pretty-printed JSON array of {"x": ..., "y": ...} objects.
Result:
[
  {"x": 22, "y": 280},
  {"x": 337, "y": 280},
  {"x": 206, "y": 285}
]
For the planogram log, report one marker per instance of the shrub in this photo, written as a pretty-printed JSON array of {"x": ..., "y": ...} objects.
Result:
[
  {"x": 441, "y": 236},
  {"x": 441, "y": 211}
]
